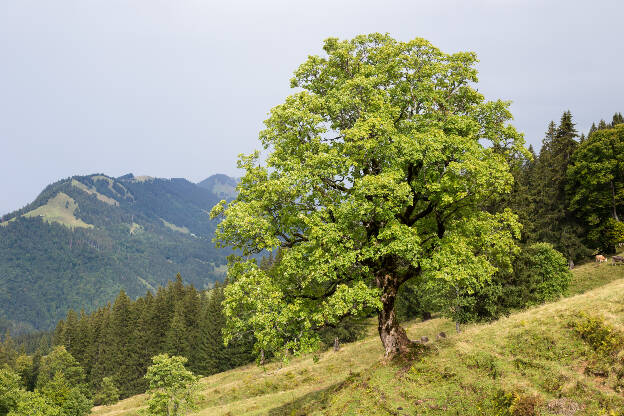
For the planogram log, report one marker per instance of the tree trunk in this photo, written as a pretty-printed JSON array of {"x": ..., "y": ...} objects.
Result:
[
  {"x": 615, "y": 215},
  {"x": 393, "y": 336}
]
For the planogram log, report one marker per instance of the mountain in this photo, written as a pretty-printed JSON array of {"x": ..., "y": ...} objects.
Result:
[
  {"x": 85, "y": 238},
  {"x": 220, "y": 185}
]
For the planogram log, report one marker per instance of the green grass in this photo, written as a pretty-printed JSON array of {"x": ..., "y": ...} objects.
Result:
[
  {"x": 591, "y": 275},
  {"x": 59, "y": 209},
  {"x": 540, "y": 361},
  {"x": 91, "y": 190},
  {"x": 174, "y": 227}
]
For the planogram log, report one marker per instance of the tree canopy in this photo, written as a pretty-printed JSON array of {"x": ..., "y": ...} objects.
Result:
[
  {"x": 377, "y": 172},
  {"x": 596, "y": 175},
  {"x": 172, "y": 388}
]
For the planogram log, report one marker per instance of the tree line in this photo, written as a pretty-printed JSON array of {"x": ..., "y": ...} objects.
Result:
[
  {"x": 119, "y": 340},
  {"x": 571, "y": 193}
]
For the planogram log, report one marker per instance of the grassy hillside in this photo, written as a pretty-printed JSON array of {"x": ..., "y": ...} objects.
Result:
[{"x": 531, "y": 363}]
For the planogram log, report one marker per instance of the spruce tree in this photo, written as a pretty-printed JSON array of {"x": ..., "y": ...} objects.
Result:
[
  {"x": 101, "y": 351},
  {"x": 177, "y": 342},
  {"x": 551, "y": 220},
  {"x": 212, "y": 356},
  {"x": 145, "y": 345},
  {"x": 122, "y": 331}
]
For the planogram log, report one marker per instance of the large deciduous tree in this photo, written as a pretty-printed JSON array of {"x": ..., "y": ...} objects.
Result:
[{"x": 377, "y": 172}]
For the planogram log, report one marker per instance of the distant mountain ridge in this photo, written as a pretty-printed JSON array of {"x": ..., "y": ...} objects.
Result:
[
  {"x": 85, "y": 238},
  {"x": 221, "y": 185}
]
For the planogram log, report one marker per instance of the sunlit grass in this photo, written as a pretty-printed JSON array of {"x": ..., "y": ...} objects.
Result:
[{"x": 59, "y": 209}]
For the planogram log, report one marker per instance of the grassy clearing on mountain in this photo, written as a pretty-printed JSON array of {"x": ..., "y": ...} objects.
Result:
[
  {"x": 174, "y": 227},
  {"x": 59, "y": 209},
  {"x": 544, "y": 361},
  {"x": 91, "y": 191}
]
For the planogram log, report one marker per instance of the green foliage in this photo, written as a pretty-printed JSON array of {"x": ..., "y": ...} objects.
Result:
[
  {"x": 25, "y": 368},
  {"x": 107, "y": 394},
  {"x": 603, "y": 338},
  {"x": 55, "y": 397},
  {"x": 172, "y": 388},
  {"x": 10, "y": 390},
  {"x": 34, "y": 404},
  {"x": 59, "y": 361},
  {"x": 541, "y": 198},
  {"x": 68, "y": 397},
  {"x": 597, "y": 185},
  {"x": 517, "y": 403},
  {"x": 217, "y": 357},
  {"x": 376, "y": 175},
  {"x": 538, "y": 274},
  {"x": 541, "y": 274}
]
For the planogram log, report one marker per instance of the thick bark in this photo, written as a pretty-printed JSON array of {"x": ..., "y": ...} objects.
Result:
[
  {"x": 615, "y": 215},
  {"x": 393, "y": 336}
]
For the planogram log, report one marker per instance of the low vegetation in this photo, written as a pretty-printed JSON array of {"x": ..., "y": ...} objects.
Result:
[
  {"x": 547, "y": 360},
  {"x": 59, "y": 209}
]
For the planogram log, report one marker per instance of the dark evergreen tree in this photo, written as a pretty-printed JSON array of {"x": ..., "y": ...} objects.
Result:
[
  {"x": 211, "y": 350},
  {"x": 177, "y": 342},
  {"x": 551, "y": 220},
  {"x": 122, "y": 338}
]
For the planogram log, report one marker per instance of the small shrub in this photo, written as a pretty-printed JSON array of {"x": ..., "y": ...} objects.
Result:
[
  {"x": 525, "y": 405},
  {"x": 541, "y": 274},
  {"x": 554, "y": 383},
  {"x": 597, "y": 369},
  {"x": 603, "y": 338},
  {"x": 517, "y": 403},
  {"x": 485, "y": 362}
]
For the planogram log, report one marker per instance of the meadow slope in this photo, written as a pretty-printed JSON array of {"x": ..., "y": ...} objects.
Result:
[{"x": 531, "y": 363}]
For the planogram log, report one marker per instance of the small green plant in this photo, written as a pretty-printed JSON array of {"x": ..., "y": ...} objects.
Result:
[
  {"x": 603, "y": 338},
  {"x": 516, "y": 403}
]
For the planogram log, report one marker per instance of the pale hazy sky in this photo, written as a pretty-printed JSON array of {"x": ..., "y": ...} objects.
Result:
[{"x": 179, "y": 88}]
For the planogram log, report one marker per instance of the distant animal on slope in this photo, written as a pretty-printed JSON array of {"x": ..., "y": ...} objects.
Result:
[
  {"x": 600, "y": 258},
  {"x": 617, "y": 259}
]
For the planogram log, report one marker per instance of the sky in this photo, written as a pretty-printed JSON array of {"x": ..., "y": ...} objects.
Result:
[{"x": 179, "y": 88}]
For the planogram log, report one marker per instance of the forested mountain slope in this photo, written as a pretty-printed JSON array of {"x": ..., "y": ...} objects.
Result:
[
  {"x": 84, "y": 238},
  {"x": 561, "y": 358}
]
